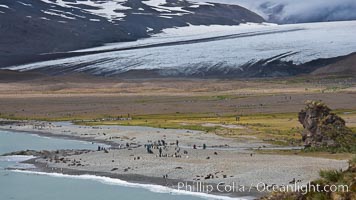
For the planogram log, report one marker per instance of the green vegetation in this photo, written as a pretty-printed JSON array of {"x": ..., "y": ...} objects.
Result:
[
  {"x": 275, "y": 128},
  {"x": 173, "y": 121},
  {"x": 334, "y": 177},
  {"x": 330, "y": 175},
  {"x": 282, "y": 128}
]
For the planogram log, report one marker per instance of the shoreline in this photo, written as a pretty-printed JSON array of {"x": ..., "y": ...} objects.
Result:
[
  {"x": 131, "y": 178},
  {"x": 67, "y": 137},
  {"x": 139, "y": 179},
  {"x": 135, "y": 165}
]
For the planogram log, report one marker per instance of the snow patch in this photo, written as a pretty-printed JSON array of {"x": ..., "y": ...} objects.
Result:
[
  {"x": 108, "y": 9},
  {"x": 159, "y": 6},
  {"x": 167, "y": 17},
  {"x": 194, "y": 6},
  {"x": 25, "y": 4},
  {"x": 54, "y": 13},
  {"x": 4, "y": 6}
]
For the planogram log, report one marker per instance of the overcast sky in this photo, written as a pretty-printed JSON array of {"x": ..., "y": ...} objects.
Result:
[{"x": 291, "y": 11}]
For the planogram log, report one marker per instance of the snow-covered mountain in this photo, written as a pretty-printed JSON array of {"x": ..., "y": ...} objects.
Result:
[
  {"x": 247, "y": 50},
  {"x": 298, "y": 11},
  {"x": 32, "y": 27}
]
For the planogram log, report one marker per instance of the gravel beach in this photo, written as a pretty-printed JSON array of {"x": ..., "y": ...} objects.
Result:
[{"x": 224, "y": 160}]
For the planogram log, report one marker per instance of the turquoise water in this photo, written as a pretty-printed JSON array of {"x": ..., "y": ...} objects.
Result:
[
  {"x": 15, "y": 141},
  {"x": 41, "y": 186}
]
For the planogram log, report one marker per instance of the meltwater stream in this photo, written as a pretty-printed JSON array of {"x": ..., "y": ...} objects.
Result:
[{"x": 19, "y": 185}]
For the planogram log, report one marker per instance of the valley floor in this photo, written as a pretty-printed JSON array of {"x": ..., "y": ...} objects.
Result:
[{"x": 265, "y": 109}]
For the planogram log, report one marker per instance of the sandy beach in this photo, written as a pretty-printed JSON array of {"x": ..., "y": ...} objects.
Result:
[{"x": 224, "y": 160}]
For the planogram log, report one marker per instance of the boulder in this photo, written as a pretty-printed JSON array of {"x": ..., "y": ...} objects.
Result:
[{"x": 323, "y": 128}]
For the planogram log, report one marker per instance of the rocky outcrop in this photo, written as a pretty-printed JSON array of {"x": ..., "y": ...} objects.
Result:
[{"x": 325, "y": 129}]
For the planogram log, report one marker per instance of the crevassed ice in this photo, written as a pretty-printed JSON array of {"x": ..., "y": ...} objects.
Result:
[{"x": 302, "y": 42}]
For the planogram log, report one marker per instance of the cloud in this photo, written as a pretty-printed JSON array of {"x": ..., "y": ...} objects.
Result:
[{"x": 298, "y": 11}]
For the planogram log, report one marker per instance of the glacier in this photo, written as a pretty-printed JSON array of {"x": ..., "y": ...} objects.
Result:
[{"x": 199, "y": 49}]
